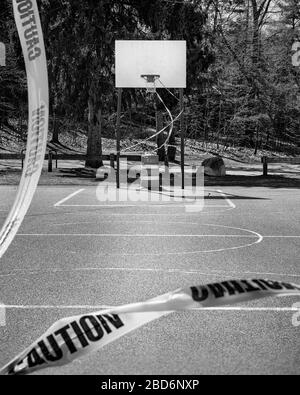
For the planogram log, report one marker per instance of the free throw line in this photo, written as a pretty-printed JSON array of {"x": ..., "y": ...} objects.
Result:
[{"x": 68, "y": 197}]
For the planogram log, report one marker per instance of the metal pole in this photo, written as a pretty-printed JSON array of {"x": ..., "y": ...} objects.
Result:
[
  {"x": 119, "y": 135},
  {"x": 182, "y": 138}
]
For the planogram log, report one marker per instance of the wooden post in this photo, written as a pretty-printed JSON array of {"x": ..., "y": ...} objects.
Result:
[
  {"x": 112, "y": 160},
  {"x": 194, "y": 177},
  {"x": 23, "y": 157},
  {"x": 265, "y": 166},
  {"x": 182, "y": 139},
  {"x": 50, "y": 157},
  {"x": 160, "y": 182},
  {"x": 118, "y": 135}
]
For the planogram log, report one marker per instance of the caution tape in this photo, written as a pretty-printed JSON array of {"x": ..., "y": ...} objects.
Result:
[
  {"x": 73, "y": 337},
  {"x": 30, "y": 32}
]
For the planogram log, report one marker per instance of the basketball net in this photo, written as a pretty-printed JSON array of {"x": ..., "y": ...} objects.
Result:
[
  {"x": 150, "y": 82},
  {"x": 150, "y": 88}
]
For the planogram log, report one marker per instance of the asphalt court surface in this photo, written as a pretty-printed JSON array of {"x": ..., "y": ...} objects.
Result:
[{"x": 75, "y": 254}]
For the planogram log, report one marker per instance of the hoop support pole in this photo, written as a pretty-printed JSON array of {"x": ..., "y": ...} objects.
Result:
[
  {"x": 118, "y": 135},
  {"x": 182, "y": 139}
]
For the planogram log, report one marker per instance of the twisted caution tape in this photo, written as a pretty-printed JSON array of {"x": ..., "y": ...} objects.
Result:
[
  {"x": 29, "y": 29},
  {"x": 73, "y": 337}
]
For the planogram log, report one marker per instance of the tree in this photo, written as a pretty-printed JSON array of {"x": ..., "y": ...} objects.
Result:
[
  {"x": 80, "y": 40},
  {"x": 12, "y": 76},
  {"x": 251, "y": 59}
]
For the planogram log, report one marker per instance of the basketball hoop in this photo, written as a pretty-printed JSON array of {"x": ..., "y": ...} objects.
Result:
[{"x": 150, "y": 82}]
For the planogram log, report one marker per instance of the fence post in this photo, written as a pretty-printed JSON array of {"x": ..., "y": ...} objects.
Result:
[
  {"x": 160, "y": 182},
  {"x": 50, "y": 158},
  {"x": 112, "y": 161},
  {"x": 22, "y": 157},
  {"x": 265, "y": 166},
  {"x": 194, "y": 177}
]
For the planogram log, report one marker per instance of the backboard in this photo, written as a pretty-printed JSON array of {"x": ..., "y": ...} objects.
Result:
[{"x": 139, "y": 61}]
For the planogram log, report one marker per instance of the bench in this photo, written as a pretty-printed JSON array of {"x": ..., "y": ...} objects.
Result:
[
  {"x": 20, "y": 156},
  {"x": 112, "y": 157},
  {"x": 55, "y": 155},
  {"x": 266, "y": 161}
]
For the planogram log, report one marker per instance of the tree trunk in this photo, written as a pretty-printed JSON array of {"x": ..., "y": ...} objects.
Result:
[
  {"x": 219, "y": 125},
  {"x": 94, "y": 144},
  {"x": 257, "y": 140}
]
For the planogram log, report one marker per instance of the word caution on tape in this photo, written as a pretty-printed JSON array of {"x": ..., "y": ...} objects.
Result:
[
  {"x": 71, "y": 338},
  {"x": 29, "y": 29}
]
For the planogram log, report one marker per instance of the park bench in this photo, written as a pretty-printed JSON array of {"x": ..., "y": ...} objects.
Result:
[
  {"x": 266, "y": 161},
  {"x": 17, "y": 156},
  {"x": 112, "y": 157},
  {"x": 57, "y": 156}
]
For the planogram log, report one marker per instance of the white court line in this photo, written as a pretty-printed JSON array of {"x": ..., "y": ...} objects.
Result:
[
  {"x": 202, "y": 309},
  {"x": 161, "y": 205},
  {"x": 133, "y": 214},
  {"x": 254, "y": 236},
  {"x": 281, "y": 237},
  {"x": 58, "y": 204},
  {"x": 229, "y": 202},
  {"x": 127, "y": 235},
  {"x": 151, "y": 270},
  {"x": 257, "y": 235},
  {"x": 171, "y": 222},
  {"x": 154, "y": 222},
  {"x": 154, "y": 214}
]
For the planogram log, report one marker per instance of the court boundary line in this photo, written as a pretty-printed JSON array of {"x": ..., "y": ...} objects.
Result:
[
  {"x": 70, "y": 196},
  {"x": 150, "y": 270},
  {"x": 258, "y": 241},
  {"x": 230, "y": 205},
  {"x": 229, "y": 201},
  {"x": 130, "y": 235},
  {"x": 104, "y": 307},
  {"x": 148, "y": 235}
]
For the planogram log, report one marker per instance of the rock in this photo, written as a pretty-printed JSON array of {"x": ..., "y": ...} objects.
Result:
[
  {"x": 103, "y": 173},
  {"x": 214, "y": 167}
]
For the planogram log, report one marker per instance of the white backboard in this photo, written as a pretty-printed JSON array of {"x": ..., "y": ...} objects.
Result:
[{"x": 164, "y": 58}]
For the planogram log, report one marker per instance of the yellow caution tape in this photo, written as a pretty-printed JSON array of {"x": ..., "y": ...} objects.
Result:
[
  {"x": 73, "y": 337},
  {"x": 29, "y": 28}
]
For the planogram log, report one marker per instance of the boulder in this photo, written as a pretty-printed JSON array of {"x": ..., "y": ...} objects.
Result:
[
  {"x": 214, "y": 167},
  {"x": 103, "y": 173}
]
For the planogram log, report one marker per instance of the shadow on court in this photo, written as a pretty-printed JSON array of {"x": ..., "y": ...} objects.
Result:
[{"x": 274, "y": 181}]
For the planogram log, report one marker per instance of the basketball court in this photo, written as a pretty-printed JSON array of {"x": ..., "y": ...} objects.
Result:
[{"x": 75, "y": 254}]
